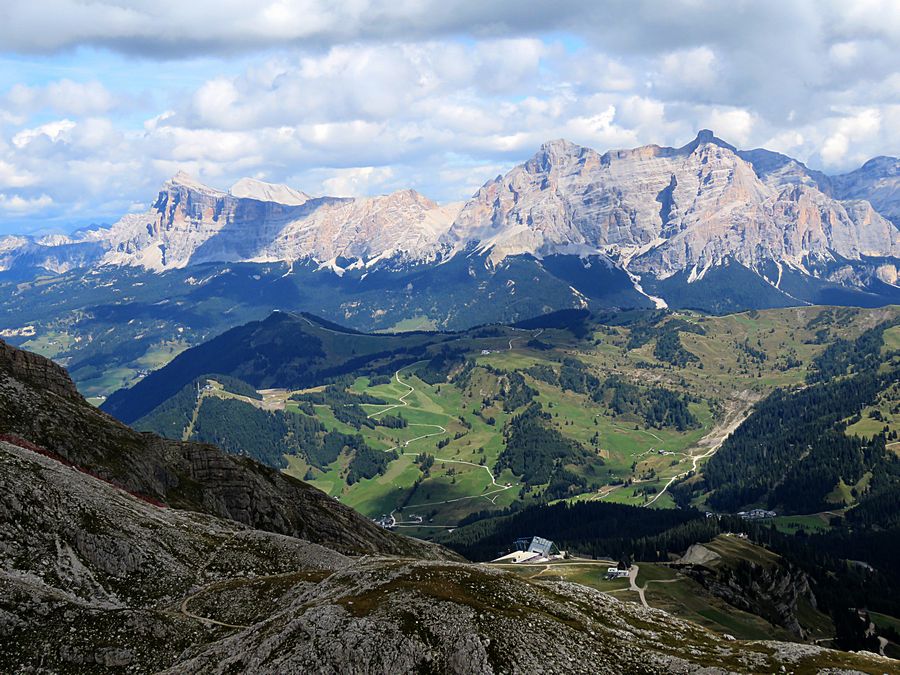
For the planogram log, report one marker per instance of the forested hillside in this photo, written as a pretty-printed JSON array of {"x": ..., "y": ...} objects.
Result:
[
  {"x": 561, "y": 426},
  {"x": 627, "y": 407},
  {"x": 798, "y": 448}
]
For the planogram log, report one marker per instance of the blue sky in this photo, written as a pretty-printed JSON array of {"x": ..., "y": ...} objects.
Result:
[{"x": 101, "y": 102}]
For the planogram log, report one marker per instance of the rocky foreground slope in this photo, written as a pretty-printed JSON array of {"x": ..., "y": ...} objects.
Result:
[
  {"x": 97, "y": 580},
  {"x": 39, "y": 403},
  {"x": 97, "y": 574}
]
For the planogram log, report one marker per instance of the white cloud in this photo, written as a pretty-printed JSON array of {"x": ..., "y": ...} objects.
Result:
[
  {"x": 835, "y": 148},
  {"x": 54, "y": 131},
  {"x": 844, "y": 54},
  {"x": 735, "y": 126},
  {"x": 18, "y": 205},
  {"x": 857, "y": 127},
  {"x": 357, "y": 181},
  {"x": 786, "y": 142},
  {"x": 63, "y": 96},
  {"x": 689, "y": 69},
  {"x": 374, "y": 95},
  {"x": 12, "y": 177}
]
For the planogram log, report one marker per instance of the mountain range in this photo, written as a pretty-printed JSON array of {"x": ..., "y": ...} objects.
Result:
[
  {"x": 704, "y": 226},
  {"x": 651, "y": 211}
]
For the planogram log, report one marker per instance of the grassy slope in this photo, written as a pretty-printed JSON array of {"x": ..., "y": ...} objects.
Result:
[
  {"x": 726, "y": 373},
  {"x": 726, "y": 378},
  {"x": 665, "y": 589}
]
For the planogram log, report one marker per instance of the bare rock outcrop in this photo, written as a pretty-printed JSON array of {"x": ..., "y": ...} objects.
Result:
[{"x": 666, "y": 210}]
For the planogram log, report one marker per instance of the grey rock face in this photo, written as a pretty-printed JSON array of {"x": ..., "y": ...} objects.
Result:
[
  {"x": 90, "y": 576},
  {"x": 191, "y": 223},
  {"x": 665, "y": 210}
]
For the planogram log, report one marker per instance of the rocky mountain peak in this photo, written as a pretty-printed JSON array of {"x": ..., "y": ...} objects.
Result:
[
  {"x": 663, "y": 210},
  {"x": 191, "y": 223},
  {"x": 651, "y": 209},
  {"x": 776, "y": 169},
  {"x": 878, "y": 182},
  {"x": 409, "y": 194},
  {"x": 883, "y": 164},
  {"x": 250, "y": 188},
  {"x": 559, "y": 147},
  {"x": 185, "y": 180},
  {"x": 706, "y": 137},
  {"x": 555, "y": 153}
]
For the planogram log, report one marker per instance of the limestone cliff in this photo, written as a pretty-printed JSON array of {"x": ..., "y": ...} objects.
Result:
[{"x": 666, "y": 210}]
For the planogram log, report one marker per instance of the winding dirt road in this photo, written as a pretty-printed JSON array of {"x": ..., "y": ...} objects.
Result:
[{"x": 404, "y": 403}]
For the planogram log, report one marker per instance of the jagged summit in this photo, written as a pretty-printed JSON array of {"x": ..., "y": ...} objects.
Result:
[
  {"x": 559, "y": 146},
  {"x": 662, "y": 211},
  {"x": 706, "y": 137},
  {"x": 884, "y": 163},
  {"x": 191, "y": 223},
  {"x": 878, "y": 182}
]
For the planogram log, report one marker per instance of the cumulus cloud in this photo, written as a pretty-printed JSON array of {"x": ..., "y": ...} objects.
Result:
[
  {"x": 855, "y": 127},
  {"x": 12, "y": 177},
  {"x": 18, "y": 205},
  {"x": 735, "y": 125},
  {"x": 52, "y": 131},
  {"x": 358, "y": 181},
  {"x": 375, "y": 95},
  {"x": 688, "y": 70}
]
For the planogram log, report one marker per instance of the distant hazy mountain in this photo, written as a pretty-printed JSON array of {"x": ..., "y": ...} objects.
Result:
[{"x": 878, "y": 182}]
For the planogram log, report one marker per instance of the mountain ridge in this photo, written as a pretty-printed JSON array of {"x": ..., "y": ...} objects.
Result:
[
  {"x": 698, "y": 226},
  {"x": 651, "y": 210}
]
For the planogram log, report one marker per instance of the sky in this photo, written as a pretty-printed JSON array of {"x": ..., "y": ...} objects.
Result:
[{"x": 101, "y": 101}]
